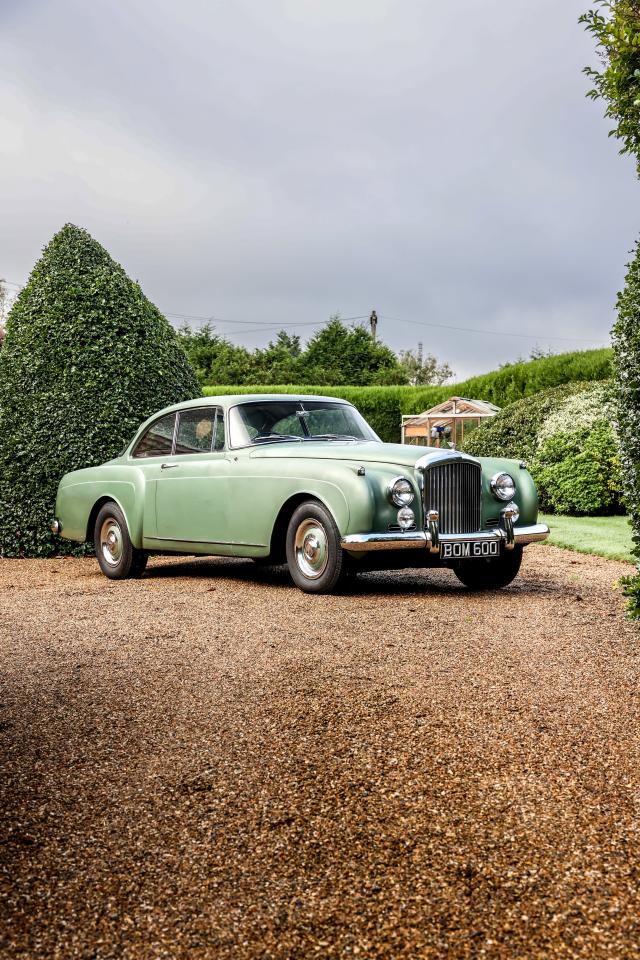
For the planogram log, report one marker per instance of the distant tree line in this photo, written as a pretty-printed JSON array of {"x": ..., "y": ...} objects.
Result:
[{"x": 337, "y": 355}]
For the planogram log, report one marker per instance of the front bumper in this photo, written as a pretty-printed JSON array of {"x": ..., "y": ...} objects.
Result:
[{"x": 421, "y": 539}]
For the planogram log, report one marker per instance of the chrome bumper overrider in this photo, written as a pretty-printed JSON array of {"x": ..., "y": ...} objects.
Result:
[{"x": 360, "y": 542}]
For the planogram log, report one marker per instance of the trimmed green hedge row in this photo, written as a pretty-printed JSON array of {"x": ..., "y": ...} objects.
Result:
[{"x": 383, "y": 406}]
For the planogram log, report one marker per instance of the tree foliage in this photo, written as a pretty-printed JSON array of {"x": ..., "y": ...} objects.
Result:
[
  {"x": 615, "y": 26},
  {"x": 86, "y": 358},
  {"x": 335, "y": 355},
  {"x": 341, "y": 355},
  {"x": 421, "y": 370}
]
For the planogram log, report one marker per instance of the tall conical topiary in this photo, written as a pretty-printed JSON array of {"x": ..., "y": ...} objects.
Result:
[{"x": 86, "y": 358}]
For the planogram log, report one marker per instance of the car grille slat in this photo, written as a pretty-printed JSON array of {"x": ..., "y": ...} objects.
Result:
[{"x": 454, "y": 490}]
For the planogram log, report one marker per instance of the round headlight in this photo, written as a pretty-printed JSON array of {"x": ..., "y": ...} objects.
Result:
[
  {"x": 401, "y": 492},
  {"x": 503, "y": 486},
  {"x": 406, "y": 518}
]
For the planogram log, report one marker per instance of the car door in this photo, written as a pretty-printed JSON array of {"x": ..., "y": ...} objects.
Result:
[
  {"x": 153, "y": 449},
  {"x": 192, "y": 484}
]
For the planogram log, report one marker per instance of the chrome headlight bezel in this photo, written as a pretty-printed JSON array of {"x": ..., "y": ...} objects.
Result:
[
  {"x": 500, "y": 489},
  {"x": 402, "y": 498}
]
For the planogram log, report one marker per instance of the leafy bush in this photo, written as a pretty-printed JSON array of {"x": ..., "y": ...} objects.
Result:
[
  {"x": 580, "y": 411},
  {"x": 578, "y": 472},
  {"x": 567, "y": 437},
  {"x": 514, "y": 431},
  {"x": 86, "y": 358},
  {"x": 626, "y": 342}
]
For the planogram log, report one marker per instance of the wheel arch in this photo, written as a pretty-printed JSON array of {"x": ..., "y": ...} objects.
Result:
[
  {"x": 97, "y": 507},
  {"x": 277, "y": 544}
]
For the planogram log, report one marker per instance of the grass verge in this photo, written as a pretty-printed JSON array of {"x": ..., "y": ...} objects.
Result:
[{"x": 603, "y": 536}]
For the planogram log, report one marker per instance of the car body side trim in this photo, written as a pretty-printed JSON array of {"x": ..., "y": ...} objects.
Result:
[{"x": 213, "y": 543}]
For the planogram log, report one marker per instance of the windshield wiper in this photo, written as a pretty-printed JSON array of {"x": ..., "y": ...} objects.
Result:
[
  {"x": 268, "y": 437},
  {"x": 333, "y": 436}
]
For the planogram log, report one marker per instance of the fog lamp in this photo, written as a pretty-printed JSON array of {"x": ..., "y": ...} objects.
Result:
[
  {"x": 514, "y": 509},
  {"x": 406, "y": 518}
]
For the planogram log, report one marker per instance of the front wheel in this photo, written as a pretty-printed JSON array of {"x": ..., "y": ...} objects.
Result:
[
  {"x": 314, "y": 554},
  {"x": 117, "y": 557},
  {"x": 491, "y": 573}
]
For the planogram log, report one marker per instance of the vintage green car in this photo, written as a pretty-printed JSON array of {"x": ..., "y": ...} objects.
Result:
[{"x": 302, "y": 480}]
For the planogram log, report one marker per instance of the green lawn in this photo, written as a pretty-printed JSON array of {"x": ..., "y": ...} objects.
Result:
[{"x": 605, "y": 536}]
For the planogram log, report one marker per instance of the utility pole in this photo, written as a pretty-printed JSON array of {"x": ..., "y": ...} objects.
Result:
[{"x": 373, "y": 322}]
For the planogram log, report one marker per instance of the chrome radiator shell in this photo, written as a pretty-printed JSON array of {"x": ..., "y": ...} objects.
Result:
[{"x": 454, "y": 488}]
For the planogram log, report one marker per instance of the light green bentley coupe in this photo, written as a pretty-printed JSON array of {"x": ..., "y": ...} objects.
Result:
[{"x": 302, "y": 480}]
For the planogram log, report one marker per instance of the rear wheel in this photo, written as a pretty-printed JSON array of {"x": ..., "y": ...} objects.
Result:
[
  {"x": 117, "y": 557},
  {"x": 492, "y": 573},
  {"x": 314, "y": 555}
]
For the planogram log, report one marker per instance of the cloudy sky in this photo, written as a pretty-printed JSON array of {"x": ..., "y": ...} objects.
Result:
[{"x": 271, "y": 162}]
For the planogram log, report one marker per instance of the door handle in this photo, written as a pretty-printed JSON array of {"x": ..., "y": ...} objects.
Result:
[{"x": 168, "y": 466}]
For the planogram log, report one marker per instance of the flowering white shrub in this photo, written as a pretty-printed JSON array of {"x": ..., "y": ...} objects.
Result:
[
  {"x": 579, "y": 413},
  {"x": 576, "y": 464}
]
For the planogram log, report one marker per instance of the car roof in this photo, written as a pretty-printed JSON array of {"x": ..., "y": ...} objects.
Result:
[{"x": 230, "y": 400}]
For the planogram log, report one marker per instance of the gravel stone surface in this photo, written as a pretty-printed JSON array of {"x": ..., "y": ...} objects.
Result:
[{"x": 206, "y": 763}]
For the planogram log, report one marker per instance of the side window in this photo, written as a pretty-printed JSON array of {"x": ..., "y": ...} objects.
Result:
[
  {"x": 158, "y": 439},
  {"x": 196, "y": 430},
  {"x": 218, "y": 443}
]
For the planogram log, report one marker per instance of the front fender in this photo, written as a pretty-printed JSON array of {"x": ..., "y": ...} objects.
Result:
[
  {"x": 526, "y": 494},
  {"x": 371, "y": 509}
]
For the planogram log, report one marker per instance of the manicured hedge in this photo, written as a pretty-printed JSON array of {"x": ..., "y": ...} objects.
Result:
[
  {"x": 518, "y": 380},
  {"x": 86, "y": 358},
  {"x": 626, "y": 343},
  {"x": 383, "y": 406}
]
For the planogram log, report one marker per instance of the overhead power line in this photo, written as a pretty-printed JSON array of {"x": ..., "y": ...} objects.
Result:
[
  {"x": 267, "y": 326},
  {"x": 492, "y": 333}
]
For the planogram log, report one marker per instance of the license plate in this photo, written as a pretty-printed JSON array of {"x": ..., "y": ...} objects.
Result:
[{"x": 469, "y": 549}]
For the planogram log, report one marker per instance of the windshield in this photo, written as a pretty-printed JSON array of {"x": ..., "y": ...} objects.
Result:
[{"x": 269, "y": 421}]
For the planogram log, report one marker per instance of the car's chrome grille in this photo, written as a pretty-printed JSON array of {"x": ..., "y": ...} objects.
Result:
[{"x": 454, "y": 490}]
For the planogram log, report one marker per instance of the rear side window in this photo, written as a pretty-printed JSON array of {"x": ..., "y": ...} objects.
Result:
[
  {"x": 157, "y": 441},
  {"x": 196, "y": 430}
]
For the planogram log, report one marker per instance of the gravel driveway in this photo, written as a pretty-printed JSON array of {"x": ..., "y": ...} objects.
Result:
[{"x": 207, "y": 763}]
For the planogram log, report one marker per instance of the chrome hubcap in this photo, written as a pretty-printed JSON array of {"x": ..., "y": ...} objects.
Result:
[
  {"x": 111, "y": 542},
  {"x": 312, "y": 554}
]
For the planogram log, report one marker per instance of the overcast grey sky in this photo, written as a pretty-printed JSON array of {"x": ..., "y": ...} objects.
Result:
[{"x": 270, "y": 162}]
